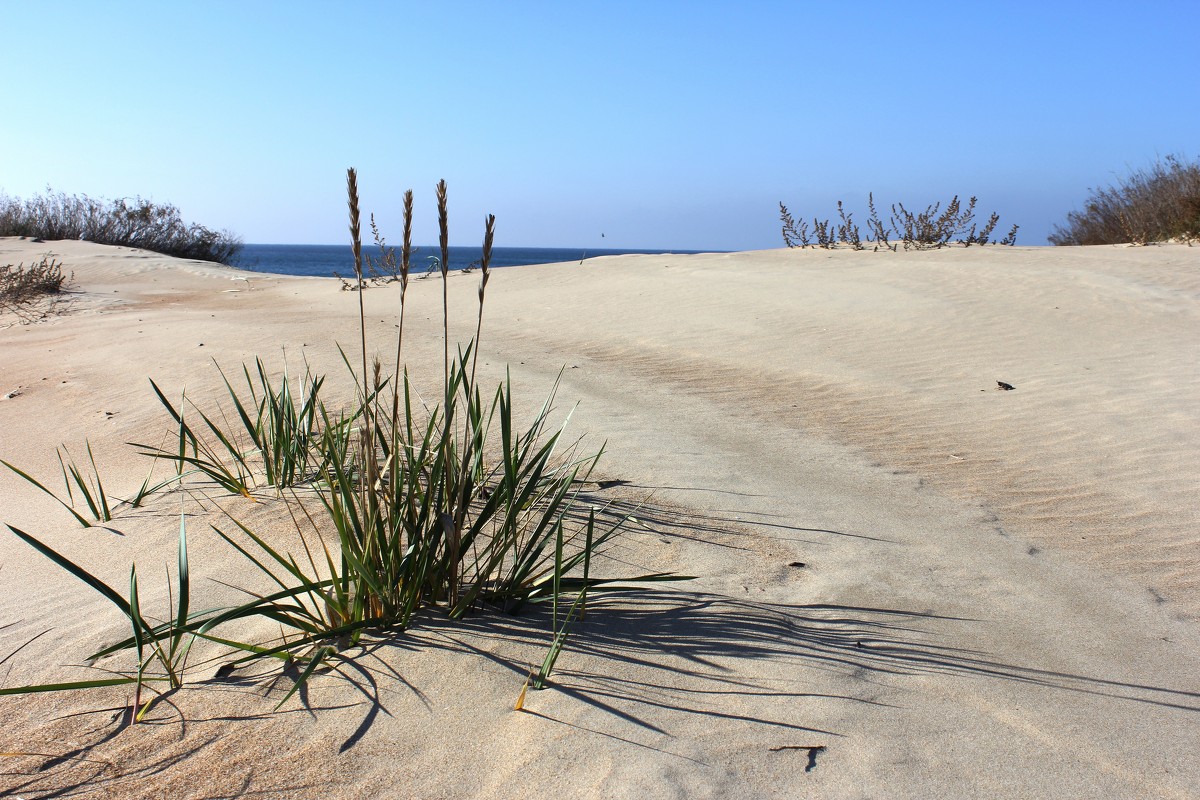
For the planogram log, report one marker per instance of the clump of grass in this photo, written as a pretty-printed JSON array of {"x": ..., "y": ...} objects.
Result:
[
  {"x": 1159, "y": 203},
  {"x": 929, "y": 229},
  {"x": 428, "y": 507},
  {"x": 89, "y": 486},
  {"x": 167, "y": 643},
  {"x": 279, "y": 440},
  {"x": 454, "y": 507},
  {"x": 282, "y": 425},
  {"x": 129, "y": 222},
  {"x": 223, "y": 461}
]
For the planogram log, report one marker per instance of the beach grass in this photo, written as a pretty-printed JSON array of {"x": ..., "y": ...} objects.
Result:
[
  {"x": 454, "y": 507},
  {"x": 166, "y": 644},
  {"x": 89, "y": 486}
]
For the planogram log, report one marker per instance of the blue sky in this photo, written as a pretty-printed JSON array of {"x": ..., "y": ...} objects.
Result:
[{"x": 660, "y": 124}]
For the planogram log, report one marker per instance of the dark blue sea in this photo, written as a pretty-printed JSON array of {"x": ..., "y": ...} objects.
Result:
[{"x": 326, "y": 260}]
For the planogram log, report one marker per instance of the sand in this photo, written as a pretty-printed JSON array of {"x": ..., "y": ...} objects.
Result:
[{"x": 999, "y": 592}]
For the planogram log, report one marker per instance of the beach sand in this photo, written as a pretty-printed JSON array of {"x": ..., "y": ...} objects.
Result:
[{"x": 910, "y": 582}]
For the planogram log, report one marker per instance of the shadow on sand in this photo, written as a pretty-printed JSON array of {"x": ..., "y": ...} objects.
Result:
[{"x": 637, "y": 655}]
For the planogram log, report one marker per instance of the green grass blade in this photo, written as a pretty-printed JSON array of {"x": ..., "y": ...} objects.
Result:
[
  {"x": 99, "y": 486},
  {"x": 314, "y": 661},
  {"x": 86, "y": 491},
  {"x": 560, "y": 639},
  {"x": 66, "y": 480},
  {"x": 82, "y": 521},
  {"x": 249, "y": 648},
  {"x": 185, "y": 588},
  {"x": 251, "y": 429},
  {"x": 268, "y": 605},
  {"x": 558, "y": 553},
  {"x": 135, "y": 618},
  {"x": 76, "y": 570},
  {"x": 251, "y": 556},
  {"x": 185, "y": 431},
  {"x": 66, "y": 687}
]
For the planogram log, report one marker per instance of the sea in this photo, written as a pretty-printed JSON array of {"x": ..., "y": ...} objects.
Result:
[{"x": 328, "y": 260}]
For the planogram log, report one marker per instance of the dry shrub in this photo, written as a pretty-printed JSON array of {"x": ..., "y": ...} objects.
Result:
[
  {"x": 125, "y": 222},
  {"x": 22, "y": 287},
  {"x": 932, "y": 228},
  {"x": 1150, "y": 205}
]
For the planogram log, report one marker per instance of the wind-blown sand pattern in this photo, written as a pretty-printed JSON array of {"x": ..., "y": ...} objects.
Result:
[{"x": 999, "y": 591}]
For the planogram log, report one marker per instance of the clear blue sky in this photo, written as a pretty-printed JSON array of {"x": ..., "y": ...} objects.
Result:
[{"x": 660, "y": 124}]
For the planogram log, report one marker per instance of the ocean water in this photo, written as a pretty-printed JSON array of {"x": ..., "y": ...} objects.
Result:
[{"x": 325, "y": 260}]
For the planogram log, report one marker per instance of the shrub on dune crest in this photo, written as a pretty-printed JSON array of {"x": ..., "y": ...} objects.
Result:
[
  {"x": 126, "y": 222},
  {"x": 933, "y": 228},
  {"x": 1155, "y": 204}
]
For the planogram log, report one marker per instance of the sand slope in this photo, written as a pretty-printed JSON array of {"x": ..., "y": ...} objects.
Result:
[{"x": 1000, "y": 590}]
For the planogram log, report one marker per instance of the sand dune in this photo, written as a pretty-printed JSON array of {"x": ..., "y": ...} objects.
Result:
[{"x": 999, "y": 594}]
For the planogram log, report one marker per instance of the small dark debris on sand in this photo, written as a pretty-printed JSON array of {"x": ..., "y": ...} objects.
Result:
[{"x": 812, "y": 749}]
